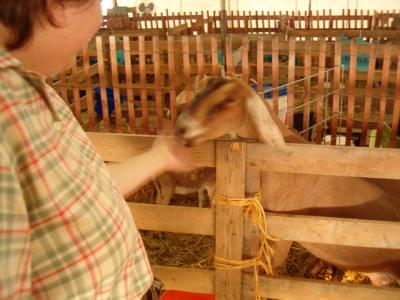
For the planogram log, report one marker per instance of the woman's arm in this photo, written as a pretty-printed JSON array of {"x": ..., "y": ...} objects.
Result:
[{"x": 167, "y": 154}]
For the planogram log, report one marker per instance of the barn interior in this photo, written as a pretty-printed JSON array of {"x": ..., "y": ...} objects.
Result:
[{"x": 330, "y": 70}]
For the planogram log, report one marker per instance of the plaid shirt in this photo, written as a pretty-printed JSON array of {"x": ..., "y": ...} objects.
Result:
[{"x": 65, "y": 230}]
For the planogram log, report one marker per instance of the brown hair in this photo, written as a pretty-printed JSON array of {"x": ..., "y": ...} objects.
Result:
[{"x": 18, "y": 17}]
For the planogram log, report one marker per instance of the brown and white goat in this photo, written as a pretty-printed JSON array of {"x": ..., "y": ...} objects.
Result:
[
  {"x": 200, "y": 181},
  {"x": 230, "y": 105}
]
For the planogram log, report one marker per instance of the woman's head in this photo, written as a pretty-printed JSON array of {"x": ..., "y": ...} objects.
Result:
[
  {"x": 48, "y": 33},
  {"x": 20, "y": 16}
]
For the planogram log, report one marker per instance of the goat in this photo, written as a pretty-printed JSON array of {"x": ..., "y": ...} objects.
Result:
[
  {"x": 201, "y": 180},
  {"x": 230, "y": 105}
]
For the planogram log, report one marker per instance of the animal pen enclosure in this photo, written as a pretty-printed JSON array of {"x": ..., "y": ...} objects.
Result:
[{"x": 127, "y": 82}]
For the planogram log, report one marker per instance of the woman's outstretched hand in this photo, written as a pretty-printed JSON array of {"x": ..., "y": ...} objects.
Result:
[{"x": 176, "y": 156}]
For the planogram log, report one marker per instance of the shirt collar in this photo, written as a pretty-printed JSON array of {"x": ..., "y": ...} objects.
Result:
[
  {"x": 7, "y": 61},
  {"x": 36, "y": 80}
]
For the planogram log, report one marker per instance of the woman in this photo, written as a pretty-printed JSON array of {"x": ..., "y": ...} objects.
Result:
[{"x": 65, "y": 230}]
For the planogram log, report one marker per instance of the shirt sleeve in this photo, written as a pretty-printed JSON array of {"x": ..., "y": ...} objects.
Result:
[{"x": 15, "y": 259}]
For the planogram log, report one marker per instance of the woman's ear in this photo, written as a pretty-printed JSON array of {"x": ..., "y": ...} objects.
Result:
[
  {"x": 56, "y": 12},
  {"x": 264, "y": 126}
]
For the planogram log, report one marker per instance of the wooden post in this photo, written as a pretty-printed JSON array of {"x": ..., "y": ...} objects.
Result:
[
  {"x": 172, "y": 78},
  {"x": 186, "y": 69},
  {"x": 291, "y": 79},
  {"x": 368, "y": 94},
  {"x": 102, "y": 81},
  {"x": 115, "y": 84},
  {"x": 223, "y": 30},
  {"x": 231, "y": 165},
  {"x": 321, "y": 90},
  {"x": 129, "y": 84},
  {"x": 143, "y": 89},
  {"x": 396, "y": 108},
  {"x": 157, "y": 81},
  {"x": 351, "y": 91},
  {"x": 336, "y": 92},
  {"x": 307, "y": 88},
  {"x": 383, "y": 93},
  {"x": 275, "y": 74}
]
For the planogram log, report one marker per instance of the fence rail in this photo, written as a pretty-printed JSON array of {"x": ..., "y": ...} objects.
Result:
[
  {"x": 250, "y": 22},
  {"x": 306, "y": 229}
]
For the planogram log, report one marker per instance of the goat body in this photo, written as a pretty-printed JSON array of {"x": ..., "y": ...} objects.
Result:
[{"x": 230, "y": 105}]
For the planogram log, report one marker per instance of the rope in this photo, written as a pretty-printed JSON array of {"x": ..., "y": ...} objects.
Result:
[{"x": 252, "y": 206}]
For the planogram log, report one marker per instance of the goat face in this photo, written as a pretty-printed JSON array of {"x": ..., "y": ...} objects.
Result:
[
  {"x": 218, "y": 109},
  {"x": 228, "y": 105}
]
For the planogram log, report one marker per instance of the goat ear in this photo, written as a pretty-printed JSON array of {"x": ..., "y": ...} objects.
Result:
[
  {"x": 203, "y": 82},
  {"x": 196, "y": 83},
  {"x": 266, "y": 129}
]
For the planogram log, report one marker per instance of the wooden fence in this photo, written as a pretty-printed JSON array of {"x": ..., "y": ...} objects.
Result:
[
  {"x": 128, "y": 85},
  {"x": 238, "y": 172},
  {"x": 255, "y": 22}
]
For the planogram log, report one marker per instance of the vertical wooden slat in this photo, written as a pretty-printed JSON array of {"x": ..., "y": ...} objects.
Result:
[
  {"x": 256, "y": 17},
  {"x": 351, "y": 91},
  {"x": 143, "y": 90},
  {"x": 129, "y": 84},
  {"x": 307, "y": 87},
  {"x": 231, "y": 164},
  {"x": 209, "y": 26},
  {"x": 88, "y": 84},
  {"x": 368, "y": 94},
  {"x": 102, "y": 81},
  {"x": 383, "y": 93},
  {"x": 75, "y": 93},
  {"x": 251, "y": 235},
  {"x": 245, "y": 58},
  {"x": 214, "y": 55},
  {"x": 186, "y": 68},
  {"x": 115, "y": 85},
  {"x": 260, "y": 66},
  {"x": 321, "y": 91},
  {"x": 291, "y": 79},
  {"x": 337, "y": 92},
  {"x": 172, "y": 78},
  {"x": 396, "y": 108},
  {"x": 348, "y": 19},
  {"x": 275, "y": 74},
  {"x": 157, "y": 81},
  {"x": 229, "y": 64},
  {"x": 246, "y": 22},
  {"x": 200, "y": 56}
]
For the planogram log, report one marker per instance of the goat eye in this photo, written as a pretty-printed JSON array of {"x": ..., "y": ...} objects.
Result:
[
  {"x": 217, "y": 108},
  {"x": 222, "y": 105},
  {"x": 229, "y": 101}
]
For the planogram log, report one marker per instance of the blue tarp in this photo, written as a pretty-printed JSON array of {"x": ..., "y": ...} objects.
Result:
[
  {"x": 110, "y": 100},
  {"x": 267, "y": 86},
  {"x": 362, "y": 58}
]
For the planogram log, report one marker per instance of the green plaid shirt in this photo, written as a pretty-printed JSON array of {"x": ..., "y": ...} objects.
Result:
[{"x": 65, "y": 230}]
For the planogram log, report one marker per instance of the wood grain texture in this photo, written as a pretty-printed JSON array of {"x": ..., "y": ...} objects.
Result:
[
  {"x": 230, "y": 163},
  {"x": 326, "y": 160},
  {"x": 306, "y": 289}
]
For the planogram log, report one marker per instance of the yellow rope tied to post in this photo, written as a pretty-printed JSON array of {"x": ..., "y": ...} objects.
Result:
[{"x": 253, "y": 207}]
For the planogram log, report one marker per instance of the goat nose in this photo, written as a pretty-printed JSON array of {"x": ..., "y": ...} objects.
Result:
[{"x": 180, "y": 131}]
